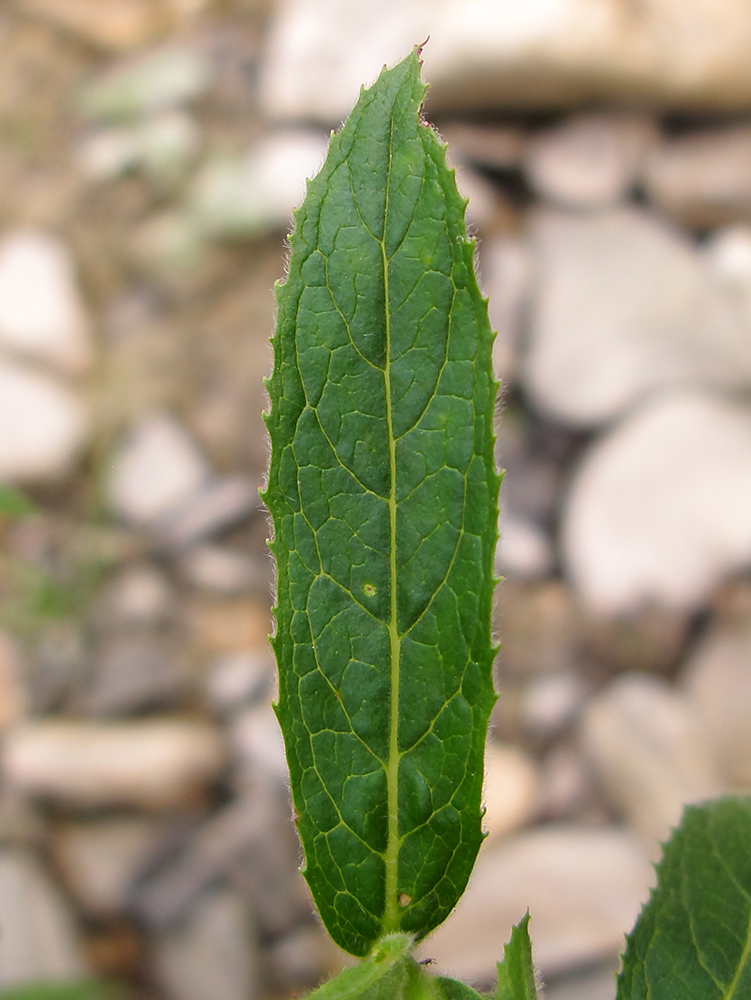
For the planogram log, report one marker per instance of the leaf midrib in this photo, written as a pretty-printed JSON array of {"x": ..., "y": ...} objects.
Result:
[{"x": 391, "y": 857}]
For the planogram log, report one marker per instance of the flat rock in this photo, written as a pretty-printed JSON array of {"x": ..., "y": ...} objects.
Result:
[
  {"x": 510, "y": 789},
  {"x": 641, "y": 526},
  {"x": 220, "y": 570},
  {"x": 503, "y": 53},
  {"x": 138, "y": 596},
  {"x": 39, "y": 940},
  {"x": 703, "y": 178},
  {"x": 623, "y": 307},
  {"x": 155, "y": 471},
  {"x": 219, "y": 504},
  {"x": 134, "y": 670},
  {"x": 582, "y": 886},
  {"x": 237, "y": 679},
  {"x": 212, "y": 956},
  {"x": 43, "y": 425},
  {"x": 717, "y": 680},
  {"x": 114, "y": 25},
  {"x": 506, "y": 266},
  {"x": 588, "y": 161},
  {"x": 256, "y": 193},
  {"x": 42, "y": 315},
  {"x": 645, "y": 743},
  {"x": 152, "y": 764},
  {"x": 101, "y": 859},
  {"x": 13, "y": 695}
]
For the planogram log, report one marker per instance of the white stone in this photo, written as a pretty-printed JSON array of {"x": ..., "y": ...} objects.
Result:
[
  {"x": 138, "y": 595},
  {"x": 256, "y": 741},
  {"x": 491, "y": 53},
  {"x": 101, "y": 859},
  {"x": 239, "y": 678},
  {"x": 658, "y": 510},
  {"x": 247, "y": 196},
  {"x": 646, "y": 746},
  {"x": 43, "y": 425},
  {"x": 623, "y": 307},
  {"x": 506, "y": 266},
  {"x": 589, "y": 161},
  {"x": 524, "y": 550},
  {"x": 13, "y": 696},
  {"x": 155, "y": 472},
  {"x": 510, "y": 789},
  {"x": 717, "y": 679},
  {"x": 212, "y": 956},
  {"x": 42, "y": 315},
  {"x": 218, "y": 569},
  {"x": 152, "y": 763},
  {"x": 39, "y": 940},
  {"x": 582, "y": 886},
  {"x": 550, "y": 702},
  {"x": 703, "y": 177}
]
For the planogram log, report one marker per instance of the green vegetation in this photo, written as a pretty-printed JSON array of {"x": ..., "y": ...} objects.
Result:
[{"x": 383, "y": 494}]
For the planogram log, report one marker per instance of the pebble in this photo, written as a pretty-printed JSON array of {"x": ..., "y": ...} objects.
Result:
[
  {"x": 212, "y": 956},
  {"x": 640, "y": 525},
  {"x": 219, "y": 570},
  {"x": 645, "y": 743},
  {"x": 589, "y": 984},
  {"x": 256, "y": 742},
  {"x": 491, "y": 147},
  {"x": 136, "y": 670},
  {"x": 702, "y": 178},
  {"x": 101, "y": 859},
  {"x": 155, "y": 471},
  {"x": 524, "y": 551},
  {"x": 589, "y": 160},
  {"x": 150, "y": 764},
  {"x": 583, "y": 888},
  {"x": 551, "y": 702},
  {"x": 138, "y": 596},
  {"x": 42, "y": 314},
  {"x": 510, "y": 789},
  {"x": 506, "y": 267},
  {"x": 229, "y": 625},
  {"x": 250, "y": 842},
  {"x": 243, "y": 197},
  {"x": 114, "y": 25},
  {"x": 623, "y": 307},
  {"x": 240, "y": 678},
  {"x": 217, "y": 505},
  {"x": 541, "y": 628},
  {"x": 43, "y": 425},
  {"x": 39, "y": 940},
  {"x": 717, "y": 681},
  {"x": 509, "y": 54},
  {"x": 13, "y": 696},
  {"x": 162, "y": 78}
]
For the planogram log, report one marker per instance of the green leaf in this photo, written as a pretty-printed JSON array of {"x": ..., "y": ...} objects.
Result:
[
  {"x": 453, "y": 989},
  {"x": 516, "y": 973},
  {"x": 75, "y": 989},
  {"x": 380, "y": 977},
  {"x": 692, "y": 940},
  {"x": 383, "y": 493},
  {"x": 13, "y": 503}
]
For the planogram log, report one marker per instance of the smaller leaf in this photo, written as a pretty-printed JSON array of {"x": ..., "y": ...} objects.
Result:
[
  {"x": 692, "y": 940},
  {"x": 13, "y": 503},
  {"x": 381, "y": 976},
  {"x": 516, "y": 974},
  {"x": 452, "y": 989}
]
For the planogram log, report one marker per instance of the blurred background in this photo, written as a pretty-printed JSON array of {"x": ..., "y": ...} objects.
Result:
[{"x": 151, "y": 152}]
